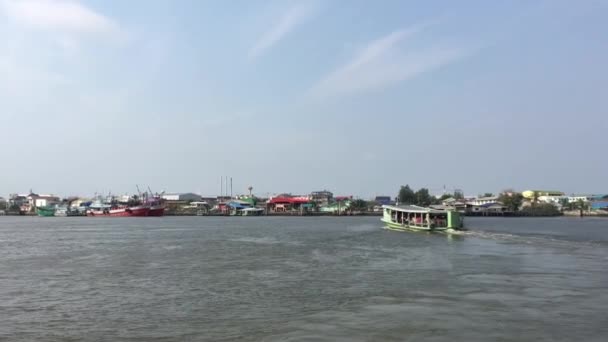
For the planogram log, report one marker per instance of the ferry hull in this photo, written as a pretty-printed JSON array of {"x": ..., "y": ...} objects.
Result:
[{"x": 403, "y": 227}]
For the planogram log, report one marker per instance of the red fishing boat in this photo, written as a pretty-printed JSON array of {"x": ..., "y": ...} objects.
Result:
[
  {"x": 156, "y": 204},
  {"x": 157, "y": 210},
  {"x": 121, "y": 211},
  {"x": 143, "y": 204}
]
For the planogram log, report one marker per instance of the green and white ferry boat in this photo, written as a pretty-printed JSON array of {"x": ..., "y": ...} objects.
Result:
[{"x": 413, "y": 217}]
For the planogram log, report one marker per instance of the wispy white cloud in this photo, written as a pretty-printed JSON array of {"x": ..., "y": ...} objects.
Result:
[
  {"x": 47, "y": 53},
  {"x": 290, "y": 19},
  {"x": 383, "y": 62},
  {"x": 68, "y": 16}
]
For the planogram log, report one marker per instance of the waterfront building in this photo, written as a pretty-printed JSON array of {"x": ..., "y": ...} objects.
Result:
[
  {"x": 185, "y": 197},
  {"x": 459, "y": 205},
  {"x": 283, "y": 203},
  {"x": 383, "y": 200},
  {"x": 576, "y": 198},
  {"x": 40, "y": 200},
  {"x": 322, "y": 197},
  {"x": 598, "y": 202},
  {"x": 486, "y": 209},
  {"x": 556, "y": 200},
  {"x": 535, "y": 194},
  {"x": 19, "y": 201},
  {"x": 483, "y": 200},
  {"x": 599, "y": 205}
]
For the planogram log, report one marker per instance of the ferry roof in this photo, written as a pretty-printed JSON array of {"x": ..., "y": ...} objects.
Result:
[{"x": 413, "y": 209}]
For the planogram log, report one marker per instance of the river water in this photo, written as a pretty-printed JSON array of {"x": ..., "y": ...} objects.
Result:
[{"x": 301, "y": 279}]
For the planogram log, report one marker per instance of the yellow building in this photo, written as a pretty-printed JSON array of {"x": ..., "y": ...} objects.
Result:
[{"x": 531, "y": 194}]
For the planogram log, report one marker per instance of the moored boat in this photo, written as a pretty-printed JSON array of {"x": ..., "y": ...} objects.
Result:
[
  {"x": 61, "y": 211},
  {"x": 252, "y": 212},
  {"x": 45, "y": 211},
  {"x": 99, "y": 208},
  {"x": 66, "y": 211},
  {"x": 412, "y": 217},
  {"x": 156, "y": 210},
  {"x": 157, "y": 207},
  {"x": 122, "y": 211}
]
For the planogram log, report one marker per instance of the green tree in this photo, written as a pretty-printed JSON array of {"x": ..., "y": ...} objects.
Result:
[
  {"x": 445, "y": 196},
  {"x": 423, "y": 198},
  {"x": 511, "y": 200},
  {"x": 535, "y": 198},
  {"x": 581, "y": 205},
  {"x": 488, "y": 194},
  {"x": 564, "y": 203},
  {"x": 542, "y": 209},
  {"x": 358, "y": 205},
  {"x": 406, "y": 195},
  {"x": 458, "y": 194}
]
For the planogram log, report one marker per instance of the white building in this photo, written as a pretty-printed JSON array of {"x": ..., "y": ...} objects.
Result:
[
  {"x": 182, "y": 197},
  {"x": 551, "y": 199},
  {"x": 576, "y": 198},
  {"x": 37, "y": 201},
  {"x": 483, "y": 200}
]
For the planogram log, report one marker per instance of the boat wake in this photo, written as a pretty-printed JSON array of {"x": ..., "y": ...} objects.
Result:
[{"x": 530, "y": 239}]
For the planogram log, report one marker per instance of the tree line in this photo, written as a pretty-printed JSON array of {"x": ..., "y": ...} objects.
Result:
[{"x": 422, "y": 197}]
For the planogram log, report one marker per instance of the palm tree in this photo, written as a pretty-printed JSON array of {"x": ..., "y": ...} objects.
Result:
[
  {"x": 582, "y": 206},
  {"x": 564, "y": 202}
]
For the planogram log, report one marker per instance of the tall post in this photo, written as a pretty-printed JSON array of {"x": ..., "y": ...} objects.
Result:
[{"x": 230, "y": 187}]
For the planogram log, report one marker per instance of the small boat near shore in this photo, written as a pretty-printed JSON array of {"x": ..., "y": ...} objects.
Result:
[
  {"x": 45, "y": 211},
  {"x": 412, "y": 217},
  {"x": 252, "y": 212},
  {"x": 66, "y": 211}
]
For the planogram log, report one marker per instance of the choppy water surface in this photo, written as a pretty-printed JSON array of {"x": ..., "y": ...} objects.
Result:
[{"x": 301, "y": 279}]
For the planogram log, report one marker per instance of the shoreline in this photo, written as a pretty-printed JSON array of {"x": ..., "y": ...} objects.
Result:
[{"x": 367, "y": 214}]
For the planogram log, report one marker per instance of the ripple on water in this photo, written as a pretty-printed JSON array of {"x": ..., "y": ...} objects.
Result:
[{"x": 292, "y": 279}]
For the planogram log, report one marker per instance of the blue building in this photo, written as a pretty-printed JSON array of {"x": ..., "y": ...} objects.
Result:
[
  {"x": 383, "y": 200},
  {"x": 599, "y": 205}
]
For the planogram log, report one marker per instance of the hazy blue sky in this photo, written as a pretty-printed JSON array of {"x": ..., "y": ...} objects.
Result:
[{"x": 357, "y": 97}]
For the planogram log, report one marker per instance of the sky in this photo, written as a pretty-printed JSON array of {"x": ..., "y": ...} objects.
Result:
[{"x": 358, "y": 97}]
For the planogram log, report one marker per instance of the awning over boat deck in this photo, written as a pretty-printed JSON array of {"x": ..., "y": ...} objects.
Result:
[{"x": 413, "y": 209}]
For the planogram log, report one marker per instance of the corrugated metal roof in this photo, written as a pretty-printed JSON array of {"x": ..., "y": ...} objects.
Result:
[{"x": 413, "y": 209}]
